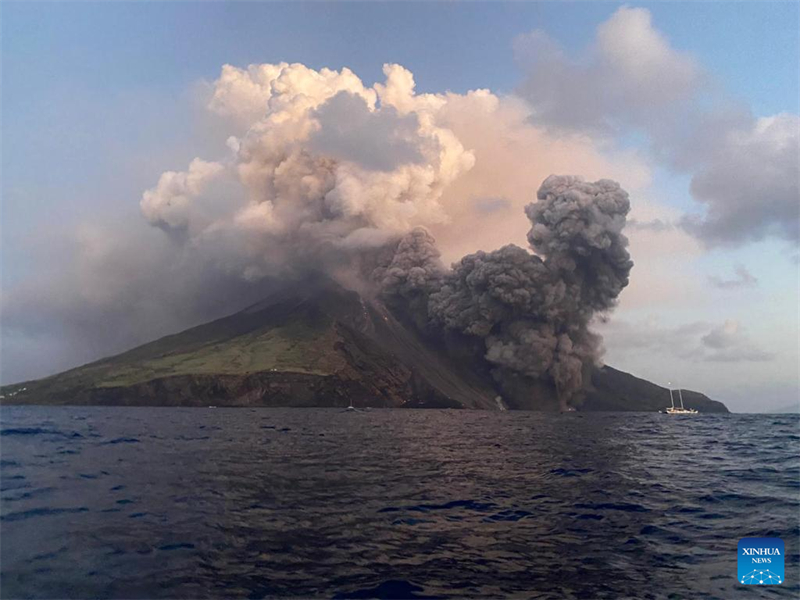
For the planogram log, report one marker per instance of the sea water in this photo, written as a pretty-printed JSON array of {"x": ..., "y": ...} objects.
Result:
[{"x": 254, "y": 503}]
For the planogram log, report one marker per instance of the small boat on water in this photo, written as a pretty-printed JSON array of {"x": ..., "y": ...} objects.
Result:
[
  {"x": 675, "y": 410},
  {"x": 350, "y": 406}
]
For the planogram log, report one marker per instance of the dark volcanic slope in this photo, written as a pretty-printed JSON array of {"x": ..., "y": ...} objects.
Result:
[
  {"x": 617, "y": 390},
  {"x": 313, "y": 345},
  {"x": 316, "y": 344}
]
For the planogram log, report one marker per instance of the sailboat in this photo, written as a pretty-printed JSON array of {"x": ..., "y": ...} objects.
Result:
[
  {"x": 674, "y": 410},
  {"x": 351, "y": 407}
]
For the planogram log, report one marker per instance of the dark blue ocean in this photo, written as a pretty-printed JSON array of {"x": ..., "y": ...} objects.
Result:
[{"x": 259, "y": 503}]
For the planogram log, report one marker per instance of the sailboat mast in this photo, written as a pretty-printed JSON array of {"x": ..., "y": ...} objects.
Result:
[
  {"x": 680, "y": 396},
  {"x": 671, "y": 401}
]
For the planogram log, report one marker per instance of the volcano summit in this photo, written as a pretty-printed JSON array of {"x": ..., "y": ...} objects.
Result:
[{"x": 315, "y": 343}]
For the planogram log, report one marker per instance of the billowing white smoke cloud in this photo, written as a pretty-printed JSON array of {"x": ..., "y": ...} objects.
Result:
[
  {"x": 320, "y": 171},
  {"x": 326, "y": 166},
  {"x": 331, "y": 173},
  {"x": 170, "y": 204}
]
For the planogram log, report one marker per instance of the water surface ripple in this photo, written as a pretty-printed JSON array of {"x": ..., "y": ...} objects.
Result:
[{"x": 255, "y": 503}]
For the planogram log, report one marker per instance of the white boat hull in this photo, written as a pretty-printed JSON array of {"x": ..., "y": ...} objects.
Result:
[{"x": 679, "y": 411}]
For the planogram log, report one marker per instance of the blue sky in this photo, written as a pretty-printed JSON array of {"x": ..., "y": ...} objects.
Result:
[
  {"x": 99, "y": 99},
  {"x": 81, "y": 79},
  {"x": 166, "y": 45}
]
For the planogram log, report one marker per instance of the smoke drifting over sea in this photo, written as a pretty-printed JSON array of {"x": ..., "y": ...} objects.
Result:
[
  {"x": 332, "y": 174},
  {"x": 324, "y": 174}
]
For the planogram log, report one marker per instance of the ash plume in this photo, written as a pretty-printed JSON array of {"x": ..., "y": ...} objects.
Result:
[
  {"x": 323, "y": 174},
  {"x": 327, "y": 169},
  {"x": 532, "y": 311},
  {"x": 415, "y": 268}
]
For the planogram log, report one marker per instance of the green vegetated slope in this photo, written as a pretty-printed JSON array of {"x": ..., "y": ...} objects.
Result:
[
  {"x": 315, "y": 344},
  {"x": 614, "y": 390},
  {"x": 295, "y": 346},
  {"x": 309, "y": 345}
]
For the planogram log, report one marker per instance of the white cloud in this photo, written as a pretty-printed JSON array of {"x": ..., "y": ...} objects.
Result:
[
  {"x": 696, "y": 341},
  {"x": 244, "y": 93},
  {"x": 750, "y": 183},
  {"x": 170, "y": 203},
  {"x": 744, "y": 170},
  {"x": 631, "y": 73},
  {"x": 326, "y": 159}
]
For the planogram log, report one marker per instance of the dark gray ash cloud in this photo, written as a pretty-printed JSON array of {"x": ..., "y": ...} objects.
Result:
[{"x": 532, "y": 312}]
